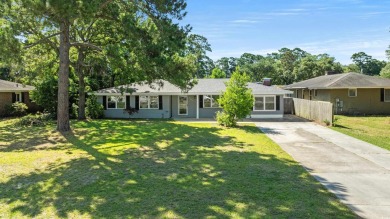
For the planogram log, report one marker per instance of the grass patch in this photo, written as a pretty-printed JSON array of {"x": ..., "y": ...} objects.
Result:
[
  {"x": 371, "y": 129},
  {"x": 149, "y": 169}
]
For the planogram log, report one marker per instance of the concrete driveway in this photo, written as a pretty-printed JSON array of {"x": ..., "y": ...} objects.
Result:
[{"x": 358, "y": 173}]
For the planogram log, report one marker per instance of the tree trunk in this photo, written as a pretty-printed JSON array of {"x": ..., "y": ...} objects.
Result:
[
  {"x": 80, "y": 74},
  {"x": 63, "y": 79}
]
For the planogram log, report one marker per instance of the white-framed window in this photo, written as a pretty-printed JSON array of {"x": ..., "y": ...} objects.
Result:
[
  {"x": 315, "y": 93},
  {"x": 148, "y": 102},
  {"x": 352, "y": 92},
  {"x": 116, "y": 102},
  {"x": 210, "y": 101},
  {"x": 265, "y": 103},
  {"x": 18, "y": 97},
  {"x": 387, "y": 95}
]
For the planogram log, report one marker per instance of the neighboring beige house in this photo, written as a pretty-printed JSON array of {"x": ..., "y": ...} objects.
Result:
[
  {"x": 350, "y": 93},
  {"x": 11, "y": 92}
]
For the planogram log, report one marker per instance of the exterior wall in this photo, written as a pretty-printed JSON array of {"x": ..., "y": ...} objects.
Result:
[
  {"x": 5, "y": 98},
  {"x": 170, "y": 110},
  {"x": 142, "y": 113},
  {"x": 322, "y": 95},
  {"x": 366, "y": 102}
]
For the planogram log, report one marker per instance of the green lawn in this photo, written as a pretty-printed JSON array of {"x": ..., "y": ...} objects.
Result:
[
  {"x": 372, "y": 129},
  {"x": 149, "y": 169}
]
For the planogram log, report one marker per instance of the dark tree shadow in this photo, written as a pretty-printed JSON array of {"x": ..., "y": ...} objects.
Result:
[{"x": 176, "y": 170}]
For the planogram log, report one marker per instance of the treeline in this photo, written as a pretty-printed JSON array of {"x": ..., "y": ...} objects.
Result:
[{"x": 289, "y": 65}]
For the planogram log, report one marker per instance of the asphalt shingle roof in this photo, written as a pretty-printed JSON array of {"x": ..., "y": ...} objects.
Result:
[
  {"x": 345, "y": 80},
  {"x": 8, "y": 86},
  {"x": 204, "y": 86}
]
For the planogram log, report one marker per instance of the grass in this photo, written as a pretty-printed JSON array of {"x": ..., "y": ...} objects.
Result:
[
  {"x": 372, "y": 129},
  {"x": 154, "y": 169}
]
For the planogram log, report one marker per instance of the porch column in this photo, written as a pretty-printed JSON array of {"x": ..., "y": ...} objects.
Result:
[{"x": 197, "y": 106}]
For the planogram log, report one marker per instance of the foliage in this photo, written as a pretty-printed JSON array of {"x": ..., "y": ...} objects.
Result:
[
  {"x": 284, "y": 67},
  {"x": 94, "y": 109},
  {"x": 45, "y": 93},
  {"x": 164, "y": 169},
  {"x": 385, "y": 72},
  {"x": 19, "y": 109},
  {"x": 39, "y": 119},
  {"x": 15, "y": 109},
  {"x": 217, "y": 73},
  {"x": 236, "y": 101},
  {"x": 367, "y": 64},
  {"x": 372, "y": 129}
]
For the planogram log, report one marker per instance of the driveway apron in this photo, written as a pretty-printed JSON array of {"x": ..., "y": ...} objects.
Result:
[{"x": 358, "y": 173}]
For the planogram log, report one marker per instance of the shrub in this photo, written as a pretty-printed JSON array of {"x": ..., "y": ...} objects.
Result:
[
  {"x": 39, "y": 119},
  {"x": 15, "y": 109},
  {"x": 94, "y": 109},
  {"x": 236, "y": 101},
  {"x": 19, "y": 109},
  {"x": 225, "y": 119}
]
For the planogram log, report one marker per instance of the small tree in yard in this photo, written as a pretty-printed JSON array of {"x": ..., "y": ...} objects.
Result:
[{"x": 236, "y": 101}]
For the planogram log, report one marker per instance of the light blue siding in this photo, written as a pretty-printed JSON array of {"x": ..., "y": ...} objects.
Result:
[{"x": 170, "y": 110}]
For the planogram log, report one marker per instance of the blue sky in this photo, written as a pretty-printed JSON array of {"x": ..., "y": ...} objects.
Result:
[{"x": 337, "y": 27}]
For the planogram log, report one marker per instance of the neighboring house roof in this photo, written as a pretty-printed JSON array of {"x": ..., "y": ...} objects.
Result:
[
  {"x": 8, "y": 86},
  {"x": 204, "y": 86},
  {"x": 345, "y": 80}
]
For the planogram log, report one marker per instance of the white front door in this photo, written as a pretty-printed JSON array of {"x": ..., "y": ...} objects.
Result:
[{"x": 183, "y": 105}]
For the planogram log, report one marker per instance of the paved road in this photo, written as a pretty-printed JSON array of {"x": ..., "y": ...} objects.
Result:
[{"x": 357, "y": 172}]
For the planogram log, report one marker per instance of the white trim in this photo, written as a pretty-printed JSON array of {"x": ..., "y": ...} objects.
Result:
[
  {"x": 259, "y": 116},
  {"x": 116, "y": 103},
  {"x": 356, "y": 94},
  {"x": 148, "y": 97},
  {"x": 178, "y": 105},
  {"x": 264, "y": 110}
]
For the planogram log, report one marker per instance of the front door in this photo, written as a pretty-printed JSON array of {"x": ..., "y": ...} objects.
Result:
[{"x": 183, "y": 105}]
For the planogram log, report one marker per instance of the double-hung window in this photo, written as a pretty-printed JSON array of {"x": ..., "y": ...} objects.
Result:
[
  {"x": 265, "y": 103},
  {"x": 116, "y": 102},
  {"x": 148, "y": 102},
  {"x": 210, "y": 101}
]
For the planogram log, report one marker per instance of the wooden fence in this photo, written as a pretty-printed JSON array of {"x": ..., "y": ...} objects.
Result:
[{"x": 319, "y": 111}]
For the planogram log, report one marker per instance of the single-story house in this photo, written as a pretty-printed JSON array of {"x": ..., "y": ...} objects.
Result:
[
  {"x": 11, "y": 92},
  {"x": 169, "y": 101},
  {"x": 350, "y": 93}
]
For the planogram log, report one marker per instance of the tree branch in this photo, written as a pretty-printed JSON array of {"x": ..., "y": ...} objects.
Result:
[
  {"x": 89, "y": 45},
  {"x": 41, "y": 40}
]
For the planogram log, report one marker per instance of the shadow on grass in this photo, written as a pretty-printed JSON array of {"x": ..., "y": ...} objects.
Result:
[{"x": 164, "y": 169}]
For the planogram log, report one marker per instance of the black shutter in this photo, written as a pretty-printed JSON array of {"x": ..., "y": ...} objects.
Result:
[
  {"x": 160, "y": 102},
  {"x": 277, "y": 102},
  {"x": 105, "y": 102},
  {"x": 127, "y": 102},
  {"x": 22, "y": 95},
  {"x": 382, "y": 95},
  {"x": 200, "y": 101},
  {"x": 137, "y": 102},
  {"x": 13, "y": 97}
]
